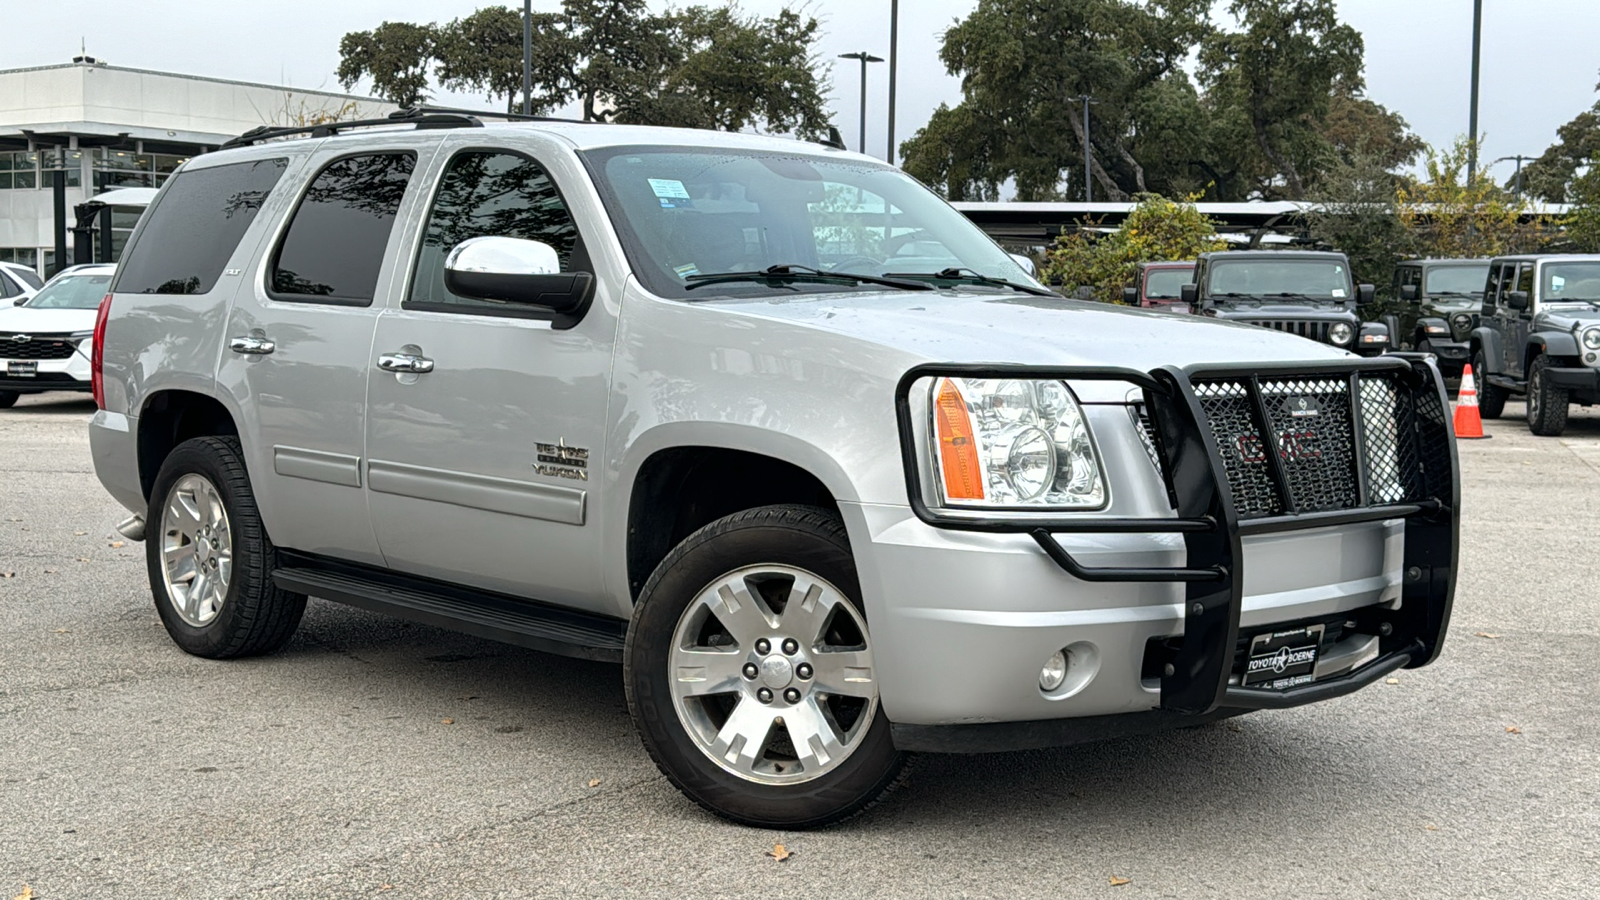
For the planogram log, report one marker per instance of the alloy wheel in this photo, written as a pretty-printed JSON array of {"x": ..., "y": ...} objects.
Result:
[{"x": 196, "y": 549}]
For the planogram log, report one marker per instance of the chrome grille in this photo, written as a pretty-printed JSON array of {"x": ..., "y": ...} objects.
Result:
[
  {"x": 35, "y": 346},
  {"x": 1316, "y": 330}
]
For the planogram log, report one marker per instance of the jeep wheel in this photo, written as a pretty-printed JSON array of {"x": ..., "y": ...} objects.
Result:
[
  {"x": 1547, "y": 404},
  {"x": 9, "y": 399},
  {"x": 209, "y": 558},
  {"x": 1491, "y": 399},
  {"x": 749, "y": 672}
]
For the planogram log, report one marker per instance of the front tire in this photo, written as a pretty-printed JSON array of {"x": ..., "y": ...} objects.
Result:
[
  {"x": 209, "y": 558},
  {"x": 749, "y": 672},
  {"x": 9, "y": 399},
  {"x": 1547, "y": 404},
  {"x": 1491, "y": 399}
]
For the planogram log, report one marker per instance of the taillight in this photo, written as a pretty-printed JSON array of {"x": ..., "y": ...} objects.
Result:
[{"x": 97, "y": 353}]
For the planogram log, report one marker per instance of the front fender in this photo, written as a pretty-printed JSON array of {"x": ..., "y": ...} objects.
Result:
[
  {"x": 1552, "y": 343},
  {"x": 1489, "y": 340}
]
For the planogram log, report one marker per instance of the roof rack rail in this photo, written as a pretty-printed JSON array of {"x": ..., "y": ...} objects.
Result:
[
  {"x": 263, "y": 133},
  {"x": 483, "y": 114}
]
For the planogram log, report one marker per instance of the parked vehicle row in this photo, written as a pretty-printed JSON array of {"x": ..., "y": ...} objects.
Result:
[
  {"x": 44, "y": 337},
  {"x": 766, "y": 422}
]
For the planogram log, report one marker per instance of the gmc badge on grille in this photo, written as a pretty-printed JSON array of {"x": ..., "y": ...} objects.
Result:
[{"x": 1302, "y": 407}]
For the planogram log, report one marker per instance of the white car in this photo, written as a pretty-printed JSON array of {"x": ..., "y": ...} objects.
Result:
[
  {"x": 17, "y": 283},
  {"x": 44, "y": 340}
]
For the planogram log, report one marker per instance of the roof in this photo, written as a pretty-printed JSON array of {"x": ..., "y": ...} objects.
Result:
[
  {"x": 1438, "y": 262},
  {"x": 1546, "y": 257},
  {"x": 1274, "y": 254}
]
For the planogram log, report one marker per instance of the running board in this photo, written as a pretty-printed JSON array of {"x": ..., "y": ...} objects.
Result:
[{"x": 498, "y": 617}]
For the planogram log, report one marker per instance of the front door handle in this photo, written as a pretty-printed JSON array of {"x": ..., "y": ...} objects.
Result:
[
  {"x": 251, "y": 345},
  {"x": 405, "y": 362}
]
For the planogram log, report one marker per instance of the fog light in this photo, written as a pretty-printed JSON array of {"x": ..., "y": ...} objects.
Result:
[
  {"x": 1054, "y": 671},
  {"x": 1588, "y": 357}
]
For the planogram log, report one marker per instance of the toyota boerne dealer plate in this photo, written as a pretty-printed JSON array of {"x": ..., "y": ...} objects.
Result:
[{"x": 1283, "y": 659}]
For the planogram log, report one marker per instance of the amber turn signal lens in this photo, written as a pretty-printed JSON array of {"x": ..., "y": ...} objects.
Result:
[{"x": 958, "y": 448}]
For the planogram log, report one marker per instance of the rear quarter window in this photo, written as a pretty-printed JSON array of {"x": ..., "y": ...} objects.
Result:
[{"x": 195, "y": 227}]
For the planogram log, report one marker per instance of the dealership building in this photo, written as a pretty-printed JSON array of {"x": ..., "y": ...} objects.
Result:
[{"x": 70, "y": 133}]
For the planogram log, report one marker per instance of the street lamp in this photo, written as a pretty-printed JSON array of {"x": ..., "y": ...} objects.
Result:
[
  {"x": 1088, "y": 186},
  {"x": 865, "y": 58},
  {"x": 1472, "y": 113},
  {"x": 894, "y": 65},
  {"x": 1520, "y": 160}
]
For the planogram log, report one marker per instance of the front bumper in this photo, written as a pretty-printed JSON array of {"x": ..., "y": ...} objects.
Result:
[
  {"x": 1151, "y": 610},
  {"x": 69, "y": 374},
  {"x": 1584, "y": 380}
]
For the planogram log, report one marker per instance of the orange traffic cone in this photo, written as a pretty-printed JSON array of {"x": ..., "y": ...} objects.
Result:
[{"x": 1468, "y": 423}]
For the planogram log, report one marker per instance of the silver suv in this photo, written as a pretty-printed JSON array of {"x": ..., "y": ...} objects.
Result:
[{"x": 764, "y": 421}]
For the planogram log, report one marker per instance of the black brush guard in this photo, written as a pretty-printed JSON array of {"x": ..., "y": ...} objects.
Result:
[{"x": 1394, "y": 464}]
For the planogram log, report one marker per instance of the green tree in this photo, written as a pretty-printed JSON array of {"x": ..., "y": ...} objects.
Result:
[
  {"x": 1449, "y": 216},
  {"x": 397, "y": 56},
  {"x": 483, "y": 52},
  {"x": 1156, "y": 229},
  {"x": 1355, "y": 212},
  {"x": 1577, "y": 147},
  {"x": 1582, "y": 224}
]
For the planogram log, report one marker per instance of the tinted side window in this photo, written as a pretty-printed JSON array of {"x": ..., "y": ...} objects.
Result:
[
  {"x": 482, "y": 194},
  {"x": 334, "y": 246},
  {"x": 1525, "y": 280},
  {"x": 195, "y": 228},
  {"x": 8, "y": 287},
  {"x": 27, "y": 276}
]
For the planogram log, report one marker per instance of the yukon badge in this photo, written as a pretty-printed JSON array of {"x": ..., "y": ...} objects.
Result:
[{"x": 560, "y": 461}]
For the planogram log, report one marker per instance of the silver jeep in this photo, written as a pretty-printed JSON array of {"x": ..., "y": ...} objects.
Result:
[{"x": 766, "y": 422}]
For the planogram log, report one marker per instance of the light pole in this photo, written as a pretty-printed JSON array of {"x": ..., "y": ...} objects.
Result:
[
  {"x": 1472, "y": 113},
  {"x": 865, "y": 58},
  {"x": 1088, "y": 185},
  {"x": 527, "y": 57},
  {"x": 894, "y": 58},
  {"x": 1517, "y": 182}
]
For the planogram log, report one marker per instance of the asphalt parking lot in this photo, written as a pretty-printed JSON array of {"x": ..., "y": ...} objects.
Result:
[{"x": 375, "y": 757}]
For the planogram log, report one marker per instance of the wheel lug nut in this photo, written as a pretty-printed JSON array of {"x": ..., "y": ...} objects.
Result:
[
  {"x": 791, "y": 646},
  {"x": 803, "y": 670},
  {"x": 750, "y": 671},
  {"x": 792, "y": 695},
  {"x": 764, "y": 695},
  {"x": 763, "y": 646}
]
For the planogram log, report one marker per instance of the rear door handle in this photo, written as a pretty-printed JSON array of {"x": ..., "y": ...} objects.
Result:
[
  {"x": 252, "y": 345},
  {"x": 405, "y": 362}
]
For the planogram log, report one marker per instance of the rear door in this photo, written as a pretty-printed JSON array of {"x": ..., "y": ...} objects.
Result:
[
  {"x": 480, "y": 465},
  {"x": 298, "y": 341}
]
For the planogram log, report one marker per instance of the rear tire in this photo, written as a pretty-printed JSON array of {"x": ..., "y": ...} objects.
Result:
[
  {"x": 9, "y": 399},
  {"x": 1491, "y": 399},
  {"x": 771, "y": 591},
  {"x": 1547, "y": 404},
  {"x": 209, "y": 558}
]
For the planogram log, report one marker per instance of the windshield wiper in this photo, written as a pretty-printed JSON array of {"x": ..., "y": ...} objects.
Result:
[
  {"x": 784, "y": 273},
  {"x": 964, "y": 275}
]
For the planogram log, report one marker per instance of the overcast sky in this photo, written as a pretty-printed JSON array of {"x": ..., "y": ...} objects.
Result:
[{"x": 1541, "y": 58}]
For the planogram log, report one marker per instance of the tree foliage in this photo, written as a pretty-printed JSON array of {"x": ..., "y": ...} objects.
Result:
[
  {"x": 1355, "y": 211},
  {"x": 1156, "y": 229},
  {"x": 1551, "y": 177},
  {"x": 1278, "y": 100},
  {"x": 1582, "y": 224},
  {"x": 1447, "y": 215},
  {"x": 705, "y": 67}
]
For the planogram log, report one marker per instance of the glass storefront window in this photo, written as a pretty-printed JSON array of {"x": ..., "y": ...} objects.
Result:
[
  {"x": 69, "y": 161},
  {"x": 19, "y": 169}
]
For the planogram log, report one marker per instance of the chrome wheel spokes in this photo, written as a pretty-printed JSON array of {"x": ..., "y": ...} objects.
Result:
[
  {"x": 196, "y": 549},
  {"x": 772, "y": 674}
]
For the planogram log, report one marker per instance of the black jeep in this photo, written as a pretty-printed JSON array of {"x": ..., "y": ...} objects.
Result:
[
  {"x": 1539, "y": 335},
  {"x": 1301, "y": 292},
  {"x": 1437, "y": 301}
]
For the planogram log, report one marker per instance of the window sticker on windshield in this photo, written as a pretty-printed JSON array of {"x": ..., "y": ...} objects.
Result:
[
  {"x": 1338, "y": 292},
  {"x": 684, "y": 271},
  {"x": 670, "y": 192},
  {"x": 1557, "y": 283}
]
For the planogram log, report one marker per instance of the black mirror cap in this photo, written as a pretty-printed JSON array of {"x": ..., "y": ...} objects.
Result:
[
  {"x": 1189, "y": 293},
  {"x": 1130, "y": 296},
  {"x": 1366, "y": 293},
  {"x": 562, "y": 298},
  {"x": 1408, "y": 292},
  {"x": 1517, "y": 299}
]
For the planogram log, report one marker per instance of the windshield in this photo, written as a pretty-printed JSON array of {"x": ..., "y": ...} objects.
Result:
[
  {"x": 1318, "y": 279},
  {"x": 1571, "y": 281},
  {"x": 1456, "y": 279},
  {"x": 687, "y": 212},
  {"x": 72, "y": 292},
  {"x": 1166, "y": 284}
]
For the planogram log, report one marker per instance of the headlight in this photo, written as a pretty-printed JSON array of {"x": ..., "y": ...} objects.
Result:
[
  {"x": 1461, "y": 321},
  {"x": 1340, "y": 333},
  {"x": 1591, "y": 338},
  {"x": 1012, "y": 443}
]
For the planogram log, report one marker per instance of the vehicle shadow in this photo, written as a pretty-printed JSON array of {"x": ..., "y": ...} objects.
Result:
[{"x": 55, "y": 404}]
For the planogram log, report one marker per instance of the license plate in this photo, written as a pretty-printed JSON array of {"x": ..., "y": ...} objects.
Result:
[
  {"x": 17, "y": 368},
  {"x": 1283, "y": 659}
]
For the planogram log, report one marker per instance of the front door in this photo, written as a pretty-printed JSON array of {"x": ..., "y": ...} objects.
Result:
[
  {"x": 482, "y": 443},
  {"x": 299, "y": 337},
  {"x": 1521, "y": 324}
]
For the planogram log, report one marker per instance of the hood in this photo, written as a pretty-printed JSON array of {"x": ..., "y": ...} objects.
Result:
[
  {"x": 961, "y": 327},
  {"x": 1583, "y": 315},
  {"x": 21, "y": 319}
]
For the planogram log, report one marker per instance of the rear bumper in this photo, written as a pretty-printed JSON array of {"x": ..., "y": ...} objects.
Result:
[
  {"x": 113, "y": 444},
  {"x": 1151, "y": 611}
]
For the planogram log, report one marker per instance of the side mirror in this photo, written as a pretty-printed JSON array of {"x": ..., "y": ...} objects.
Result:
[
  {"x": 1189, "y": 293},
  {"x": 1408, "y": 292},
  {"x": 19, "y": 301},
  {"x": 1026, "y": 262},
  {"x": 1130, "y": 296},
  {"x": 516, "y": 271},
  {"x": 1365, "y": 294},
  {"x": 1517, "y": 300}
]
